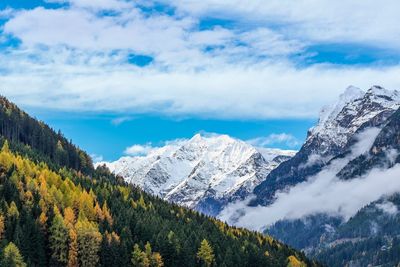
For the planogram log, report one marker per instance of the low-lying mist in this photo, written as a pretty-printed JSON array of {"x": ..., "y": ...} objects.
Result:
[{"x": 322, "y": 193}]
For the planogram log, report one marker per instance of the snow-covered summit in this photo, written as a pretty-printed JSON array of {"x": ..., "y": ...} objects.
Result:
[
  {"x": 186, "y": 172},
  {"x": 338, "y": 125},
  {"x": 330, "y": 112},
  {"x": 338, "y": 122}
]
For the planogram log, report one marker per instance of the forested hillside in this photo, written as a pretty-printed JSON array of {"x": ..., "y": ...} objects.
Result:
[
  {"x": 55, "y": 211},
  {"x": 36, "y": 139}
]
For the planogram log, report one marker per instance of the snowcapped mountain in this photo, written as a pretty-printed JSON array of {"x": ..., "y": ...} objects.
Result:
[
  {"x": 345, "y": 178},
  {"x": 370, "y": 234},
  {"x": 203, "y": 173},
  {"x": 355, "y": 109},
  {"x": 337, "y": 125}
]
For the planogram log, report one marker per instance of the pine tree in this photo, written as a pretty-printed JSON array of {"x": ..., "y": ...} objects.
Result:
[
  {"x": 12, "y": 211},
  {"x": 294, "y": 262},
  {"x": 59, "y": 239},
  {"x": 2, "y": 226},
  {"x": 147, "y": 250},
  {"x": 73, "y": 249},
  {"x": 206, "y": 253},
  {"x": 107, "y": 214},
  {"x": 6, "y": 147},
  {"x": 12, "y": 257},
  {"x": 89, "y": 241},
  {"x": 69, "y": 217},
  {"x": 156, "y": 260},
  {"x": 139, "y": 257}
]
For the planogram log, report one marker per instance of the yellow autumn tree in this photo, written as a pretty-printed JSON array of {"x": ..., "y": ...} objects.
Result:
[
  {"x": 294, "y": 262},
  {"x": 205, "y": 253},
  {"x": 2, "y": 226},
  {"x": 107, "y": 214},
  {"x": 69, "y": 217},
  {"x": 73, "y": 249}
]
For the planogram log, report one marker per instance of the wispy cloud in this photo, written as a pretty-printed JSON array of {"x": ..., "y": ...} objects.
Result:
[
  {"x": 148, "y": 148},
  {"x": 96, "y": 4},
  {"x": 275, "y": 139},
  {"x": 139, "y": 150},
  {"x": 121, "y": 120},
  {"x": 96, "y": 158},
  {"x": 331, "y": 21}
]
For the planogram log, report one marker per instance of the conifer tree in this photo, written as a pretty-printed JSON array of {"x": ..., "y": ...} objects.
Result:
[
  {"x": 89, "y": 241},
  {"x": 6, "y": 147},
  {"x": 73, "y": 249},
  {"x": 59, "y": 240},
  {"x": 147, "y": 250},
  {"x": 12, "y": 257},
  {"x": 206, "y": 253},
  {"x": 156, "y": 260},
  {"x": 2, "y": 226},
  {"x": 106, "y": 214},
  {"x": 139, "y": 257},
  {"x": 69, "y": 217}
]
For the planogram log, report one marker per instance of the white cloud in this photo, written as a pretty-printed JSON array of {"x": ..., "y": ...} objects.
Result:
[
  {"x": 6, "y": 13},
  {"x": 274, "y": 139},
  {"x": 96, "y": 158},
  {"x": 139, "y": 150},
  {"x": 242, "y": 72},
  {"x": 367, "y": 22},
  {"x": 96, "y": 4},
  {"x": 270, "y": 43},
  {"x": 323, "y": 193},
  {"x": 83, "y": 29},
  {"x": 73, "y": 80},
  {"x": 388, "y": 207},
  {"x": 120, "y": 120},
  {"x": 149, "y": 148}
]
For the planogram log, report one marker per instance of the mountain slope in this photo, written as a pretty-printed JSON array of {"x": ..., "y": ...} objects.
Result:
[
  {"x": 372, "y": 237},
  {"x": 38, "y": 141},
  {"x": 204, "y": 173},
  {"x": 64, "y": 217},
  {"x": 333, "y": 135},
  {"x": 384, "y": 153}
]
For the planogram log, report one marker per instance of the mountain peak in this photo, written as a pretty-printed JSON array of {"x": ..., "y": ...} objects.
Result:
[
  {"x": 348, "y": 101},
  {"x": 330, "y": 112},
  {"x": 212, "y": 166},
  {"x": 351, "y": 93},
  {"x": 338, "y": 122},
  {"x": 196, "y": 138}
]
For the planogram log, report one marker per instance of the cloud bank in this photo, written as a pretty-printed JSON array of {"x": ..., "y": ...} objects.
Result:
[
  {"x": 208, "y": 59},
  {"x": 323, "y": 193}
]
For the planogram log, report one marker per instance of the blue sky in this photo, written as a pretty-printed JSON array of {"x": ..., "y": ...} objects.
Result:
[
  {"x": 114, "y": 73},
  {"x": 100, "y": 133}
]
